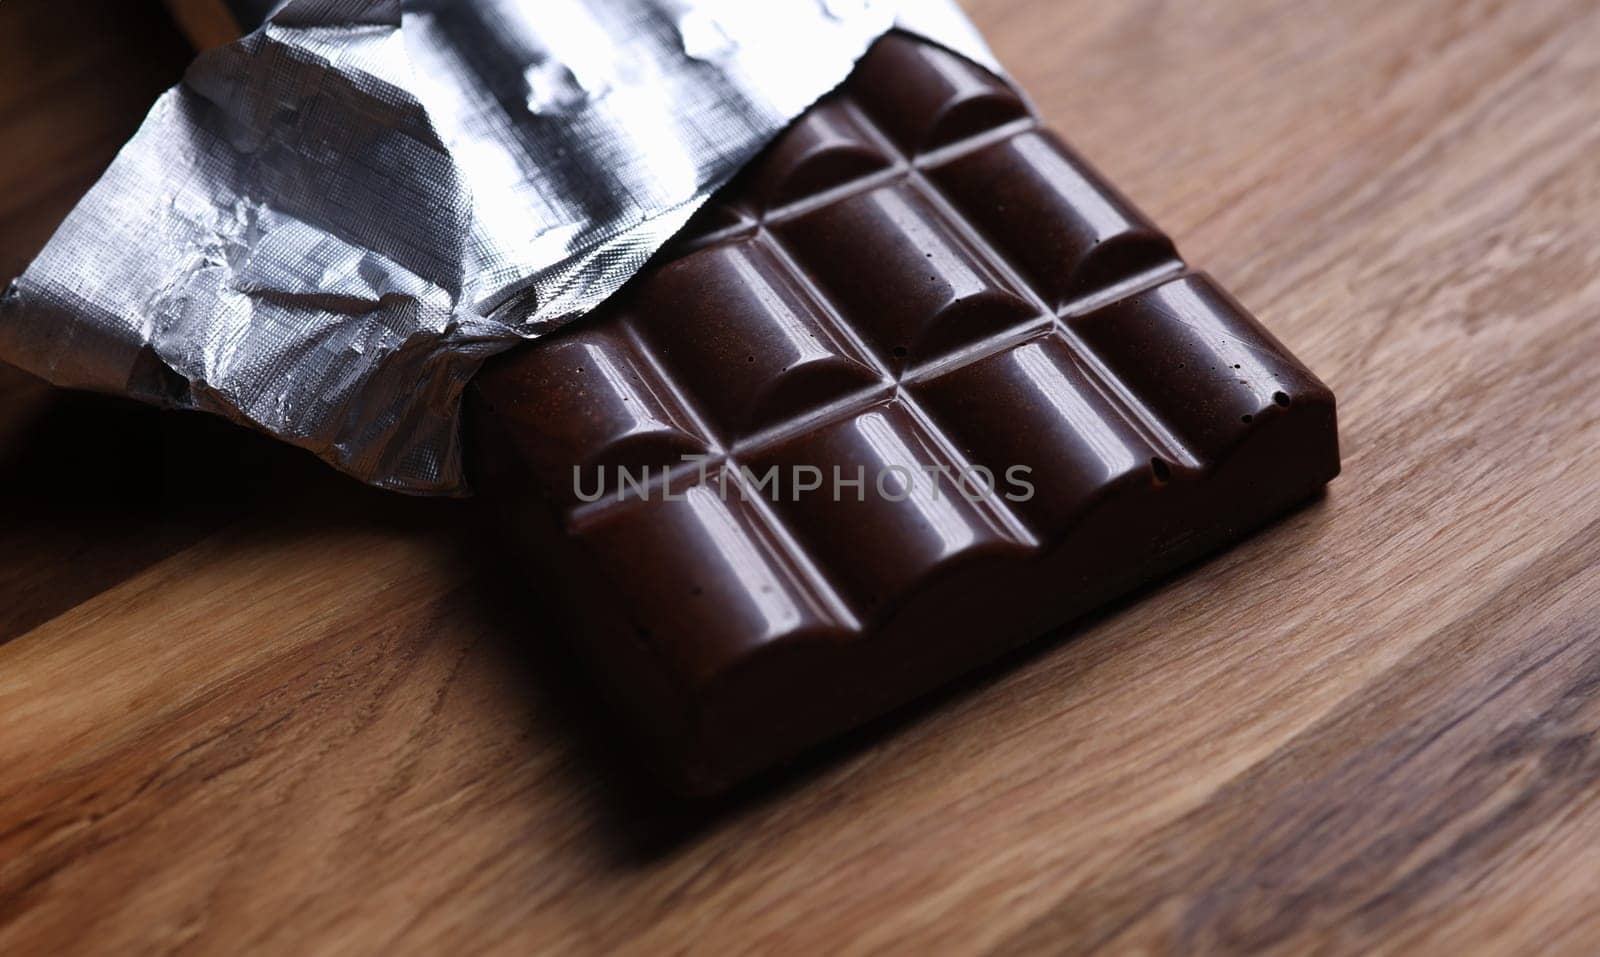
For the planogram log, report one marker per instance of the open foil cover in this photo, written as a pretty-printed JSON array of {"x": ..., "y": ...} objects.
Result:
[{"x": 329, "y": 225}]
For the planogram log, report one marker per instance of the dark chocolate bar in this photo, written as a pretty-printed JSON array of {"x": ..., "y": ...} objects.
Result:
[{"x": 917, "y": 387}]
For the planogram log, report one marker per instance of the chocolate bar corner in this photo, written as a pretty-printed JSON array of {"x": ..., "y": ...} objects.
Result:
[{"x": 918, "y": 387}]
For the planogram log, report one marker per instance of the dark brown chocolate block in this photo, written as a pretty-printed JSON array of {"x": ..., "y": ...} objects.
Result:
[{"x": 916, "y": 277}]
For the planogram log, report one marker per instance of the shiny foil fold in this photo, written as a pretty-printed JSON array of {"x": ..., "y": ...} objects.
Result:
[{"x": 328, "y": 226}]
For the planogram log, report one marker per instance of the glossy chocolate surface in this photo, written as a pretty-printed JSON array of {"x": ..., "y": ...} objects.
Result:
[{"x": 915, "y": 277}]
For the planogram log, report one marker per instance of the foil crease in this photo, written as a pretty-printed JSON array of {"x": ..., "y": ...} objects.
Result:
[{"x": 328, "y": 226}]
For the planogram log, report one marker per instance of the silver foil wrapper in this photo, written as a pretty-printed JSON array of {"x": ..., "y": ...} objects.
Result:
[{"x": 329, "y": 225}]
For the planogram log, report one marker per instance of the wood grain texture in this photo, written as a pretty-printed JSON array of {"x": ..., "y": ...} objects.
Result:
[{"x": 308, "y": 718}]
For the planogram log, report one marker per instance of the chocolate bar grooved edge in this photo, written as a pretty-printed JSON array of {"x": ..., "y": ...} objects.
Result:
[{"x": 1014, "y": 399}]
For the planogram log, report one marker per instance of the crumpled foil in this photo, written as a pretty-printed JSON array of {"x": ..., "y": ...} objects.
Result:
[{"x": 329, "y": 225}]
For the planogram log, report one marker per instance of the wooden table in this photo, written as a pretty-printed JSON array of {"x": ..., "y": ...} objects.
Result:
[{"x": 244, "y": 703}]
